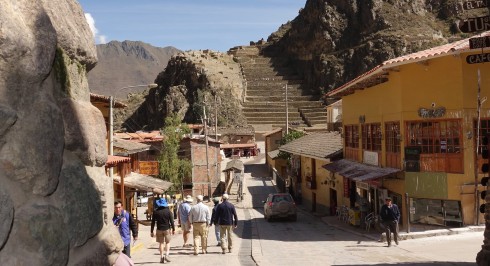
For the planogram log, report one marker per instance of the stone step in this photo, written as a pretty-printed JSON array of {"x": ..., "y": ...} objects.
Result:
[
  {"x": 291, "y": 79},
  {"x": 272, "y": 85},
  {"x": 273, "y": 120},
  {"x": 294, "y": 115},
  {"x": 291, "y": 105},
  {"x": 315, "y": 114},
  {"x": 278, "y": 98},
  {"x": 317, "y": 121},
  {"x": 274, "y": 92}
]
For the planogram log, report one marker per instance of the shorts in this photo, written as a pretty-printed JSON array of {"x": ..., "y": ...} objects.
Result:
[
  {"x": 163, "y": 236},
  {"x": 185, "y": 227}
]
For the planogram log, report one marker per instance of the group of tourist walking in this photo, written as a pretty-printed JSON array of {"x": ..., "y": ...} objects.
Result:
[{"x": 197, "y": 218}]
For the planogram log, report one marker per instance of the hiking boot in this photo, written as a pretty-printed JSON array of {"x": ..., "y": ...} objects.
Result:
[{"x": 162, "y": 260}]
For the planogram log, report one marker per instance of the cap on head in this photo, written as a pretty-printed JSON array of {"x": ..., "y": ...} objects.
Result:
[
  {"x": 188, "y": 198},
  {"x": 199, "y": 198},
  {"x": 161, "y": 203},
  {"x": 225, "y": 196},
  {"x": 387, "y": 199}
]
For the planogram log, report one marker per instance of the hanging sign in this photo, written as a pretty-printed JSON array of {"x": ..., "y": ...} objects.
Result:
[
  {"x": 475, "y": 24},
  {"x": 478, "y": 58},
  {"x": 479, "y": 42},
  {"x": 469, "y": 5}
]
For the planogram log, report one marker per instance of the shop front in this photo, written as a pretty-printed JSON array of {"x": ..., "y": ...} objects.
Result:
[{"x": 362, "y": 187}]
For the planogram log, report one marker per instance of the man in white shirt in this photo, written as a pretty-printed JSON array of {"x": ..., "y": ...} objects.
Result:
[{"x": 200, "y": 219}]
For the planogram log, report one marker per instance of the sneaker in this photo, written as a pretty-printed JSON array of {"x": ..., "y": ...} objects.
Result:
[
  {"x": 195, "y": 254},
  {"x": 223, "y": 252},
  {"x": 219, "y": 244},
  {"x": 167, "y": 259}
]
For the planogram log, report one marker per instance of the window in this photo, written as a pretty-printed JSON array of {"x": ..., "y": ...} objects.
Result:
[
  {"x": 392, "y": 137},
  {"x": 352, "y": 136},
  {"x": 371, "y": 137},
  {"x": 442, "y": 136},
  {"x": 484, "y": 131}
]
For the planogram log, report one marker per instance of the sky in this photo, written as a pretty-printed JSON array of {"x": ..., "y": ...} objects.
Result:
[{"x": 188, "y": 24}]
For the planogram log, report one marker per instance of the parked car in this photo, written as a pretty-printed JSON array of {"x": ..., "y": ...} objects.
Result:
[{"x": 280, "y": 205}]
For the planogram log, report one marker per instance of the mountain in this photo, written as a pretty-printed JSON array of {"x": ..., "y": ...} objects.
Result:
[
  {"x": 329, "y": 43},
  {"x": 127, "y": 63}
]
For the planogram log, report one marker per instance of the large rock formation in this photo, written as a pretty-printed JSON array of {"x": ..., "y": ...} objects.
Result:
[
  {"x": 122, "y": 64},
  {"x": 334, "y": 41},
  {"x": 189, "y": 78},
  {"x": 55, "y": 200}
]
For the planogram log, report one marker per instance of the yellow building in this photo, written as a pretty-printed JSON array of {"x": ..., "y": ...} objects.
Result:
[
  {"x": 418, "y": 114},
  {"x": 310, "y": 184}
]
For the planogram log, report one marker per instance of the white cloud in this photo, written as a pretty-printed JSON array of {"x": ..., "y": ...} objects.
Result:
[{"x": 95, "y": 32}]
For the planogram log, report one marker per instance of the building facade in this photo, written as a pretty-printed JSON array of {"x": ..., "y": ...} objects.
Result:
[{"x": 418, "y": 114}]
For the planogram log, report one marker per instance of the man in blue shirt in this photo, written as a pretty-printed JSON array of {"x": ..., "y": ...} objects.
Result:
[
  {"x": 184, "y": 210},
  {"x": 125, "y": 222},
  {"x": 390, "y": 216},
  {"x": 226, "y": 218}
]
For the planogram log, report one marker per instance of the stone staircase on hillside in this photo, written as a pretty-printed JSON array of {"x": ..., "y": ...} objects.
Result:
[{"x": 265, "y": 96}]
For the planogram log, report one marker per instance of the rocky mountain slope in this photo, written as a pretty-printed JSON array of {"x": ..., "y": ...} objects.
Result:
[
  {"x": 127, "y": 63},
  {"x": 188, "y": 80},
  {"x": 334, "y": 41},
  {"x": 329, "y": 43}
]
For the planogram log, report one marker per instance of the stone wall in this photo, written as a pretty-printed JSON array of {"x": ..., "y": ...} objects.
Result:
[{"x": 56, "y": 202}]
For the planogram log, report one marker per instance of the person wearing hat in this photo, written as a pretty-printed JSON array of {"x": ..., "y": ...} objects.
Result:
[
  {"x": 164, "y": 220},
  {"x": 227, "y": 219},
  {"x": 125, "y": 224},
  {"x": 183, "y": 213},
  {"x": 200, "y": 218},
  {"x": 390, "y": 216},
  {"x": 213, "y": 220}
]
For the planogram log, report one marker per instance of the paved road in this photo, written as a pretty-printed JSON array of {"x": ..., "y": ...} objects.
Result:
[{"x": 308, "y": 241}]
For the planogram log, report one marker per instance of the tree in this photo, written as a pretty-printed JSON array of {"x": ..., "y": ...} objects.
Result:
[
  {"x": 173, "y": 167},
  {"x": 286, "y": 139}
]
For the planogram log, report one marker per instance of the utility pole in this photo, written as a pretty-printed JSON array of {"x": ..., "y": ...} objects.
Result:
[
  {"x": 478, "y": 117},
  {"x": 287, "y": 111},
  {"x": 207, "y": 147},
  {"x": 216, "y": 134}
]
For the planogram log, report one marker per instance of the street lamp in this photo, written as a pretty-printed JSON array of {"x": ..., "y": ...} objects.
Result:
[{"x": 111, "y": 133}]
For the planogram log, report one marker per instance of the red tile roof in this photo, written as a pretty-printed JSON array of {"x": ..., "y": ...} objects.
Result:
[
  {"x": 105, "y": 99},
  {"x": 113, "y": 160},
  {"x": 450, "y": 48}
]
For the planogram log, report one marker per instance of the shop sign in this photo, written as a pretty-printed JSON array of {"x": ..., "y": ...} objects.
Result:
[
  {"x": 469, "y": 5},
  {"x": 149, "y": 167},
  {"x": 412, "y": 210},
  {"x": 370, "y": 157},
  {"x": 432, "y": 112},
  {"x": 479, "y": 42},
  {"x": 362, "y": 185},
  {"x": 478, "y": 58},
  {"x": 475, "y": 24}
]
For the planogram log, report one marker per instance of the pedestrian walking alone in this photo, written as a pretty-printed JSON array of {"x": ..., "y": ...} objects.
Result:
[
  {"x": 164, "y": 220},
  {"x": 390, "y": 216},
  {"x": 200, "y": 218},
  {"x": 227, "y": 219},
  {"x": 184, "y": 209},
  {"x": 124, "y": 222},
  {"x": 213, "y": 220}
]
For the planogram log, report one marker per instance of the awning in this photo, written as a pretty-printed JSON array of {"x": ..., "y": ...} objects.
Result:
[
  {"x": 144, "y": 183},
  {"x": 238, "y": 145},
  {"x": 273, "y": 154},
  {"x": 359, "y": 171}
]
